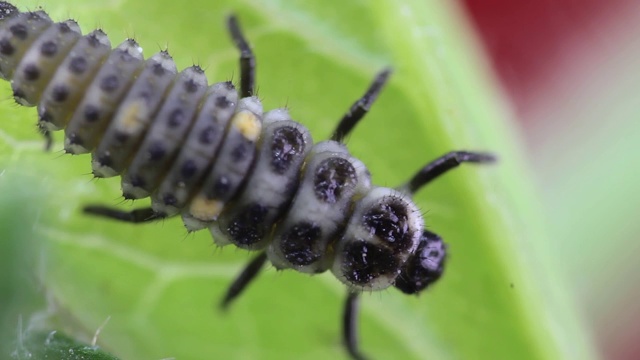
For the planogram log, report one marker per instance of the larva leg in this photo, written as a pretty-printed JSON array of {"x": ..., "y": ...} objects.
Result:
[
  {"x": 247, "y": 59},
  {"x": 134, "y": 216},
  {"x": 350, "y": 326},
  {"x": 48, "y": 139},
  {"x": 443, "y": 164},
  {"x": 361, "y": 106},
  {"x": 247, "y": 275}
]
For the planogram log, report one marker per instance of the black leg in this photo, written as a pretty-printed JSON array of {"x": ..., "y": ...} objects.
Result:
[
  {"x": 134, "y": 216},
  {"x": 350, "y": 326},
  {"x": 361, "y": 106},
  {"x": 247, "y": 275},
  {"x": 247, "y": 59},
  {"x": 48, "y": 139},
  {"x": 443, "y": 164}
]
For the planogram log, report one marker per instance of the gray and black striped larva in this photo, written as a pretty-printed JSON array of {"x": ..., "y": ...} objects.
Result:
[{"x": 210, "y": 154}]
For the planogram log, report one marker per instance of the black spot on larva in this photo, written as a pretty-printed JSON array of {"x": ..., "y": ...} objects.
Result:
[
  {"x": 286, "y": 145},
  {"x": 31, "y": 72},
  {"x": 137, "y": 181},
  {"x": 145, "y": 95},
  {"x": 208, "y": 135},
  {"x": 78, "y": 65},
  {"x": 176, "y": 118},
  {"x": 125, "y": 56},
  {"x": 60, "y": 93},
  {"x": 48, "y": 48},
  {"x": 45, "y": 117},
  {"x": 190, "y": 86},
  {"x": 74, "y": 138},
  {"x": 91, "y": 113},
  {"x": 156, "y": 151},
  {"x": 332, "y": 177},
  {"x": 64, "y": 28},
  {"x": 220, "y": 188},
  {"x": 229, "y": 85},
  {"x": 188, "y": 169},
  {"x": 298, "y": 244},
  {"x": 390, "y": 222},
  {"x": 364, "y": 262},
  {"x": 121, "y": 137},
  {"x": 241, "y": 151},
  {"x": 222, "y": 102},
  {"x": 247, "y": 228},
  {"x": 93, "y": 39},
  {"x": 109, "y": 83},
  {"x": 105, "y": 160},
  {"x": 6, "y": 48},
  {"x": 19, "y": 31},
  {"x": 18, "y": 93},
  {"x": 158, "y": 69},
  {"x": 169, "y": 199}
]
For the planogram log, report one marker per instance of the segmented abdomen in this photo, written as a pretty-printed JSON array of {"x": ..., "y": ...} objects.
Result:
[{"x": 254, "y": 179}]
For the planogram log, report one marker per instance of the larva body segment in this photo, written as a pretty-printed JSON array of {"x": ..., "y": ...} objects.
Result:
[
  {"x": 96, "y": 109},
  {"x": 66, "y": 88},
  {"x": 198, "y": 151},
  {"x": 232, "y": 164},
  {"x": 133, "y": 116},
  {"x": 248, "y": 221},
  {"x": 211, "y": 154},
  {"x": 161, "y": 143},
  {"x": 331, "y": 180},
  {"x": 18, "y": 32},
  {"x": 41, "y": 61}
]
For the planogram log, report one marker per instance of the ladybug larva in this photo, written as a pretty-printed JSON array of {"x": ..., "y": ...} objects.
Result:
[{"x": 212, "y": 155}]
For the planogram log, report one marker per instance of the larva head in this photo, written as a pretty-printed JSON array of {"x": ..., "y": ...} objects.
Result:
[
  {"x": 381, "y": 236},
  {"x": 425, "y": 266}
]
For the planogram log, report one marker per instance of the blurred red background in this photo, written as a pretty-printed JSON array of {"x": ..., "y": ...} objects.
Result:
[
  {"x": 527, "y": 39},
  {"x": 544, "y": 52}
]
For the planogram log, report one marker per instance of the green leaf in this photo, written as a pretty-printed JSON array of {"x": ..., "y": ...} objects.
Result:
[
  {"x": 53, "y": 345},
  {"x": 160, "y": 286}
]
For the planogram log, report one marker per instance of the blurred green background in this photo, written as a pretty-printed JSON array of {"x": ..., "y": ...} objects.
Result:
[{"x": 569, "y": 69}]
